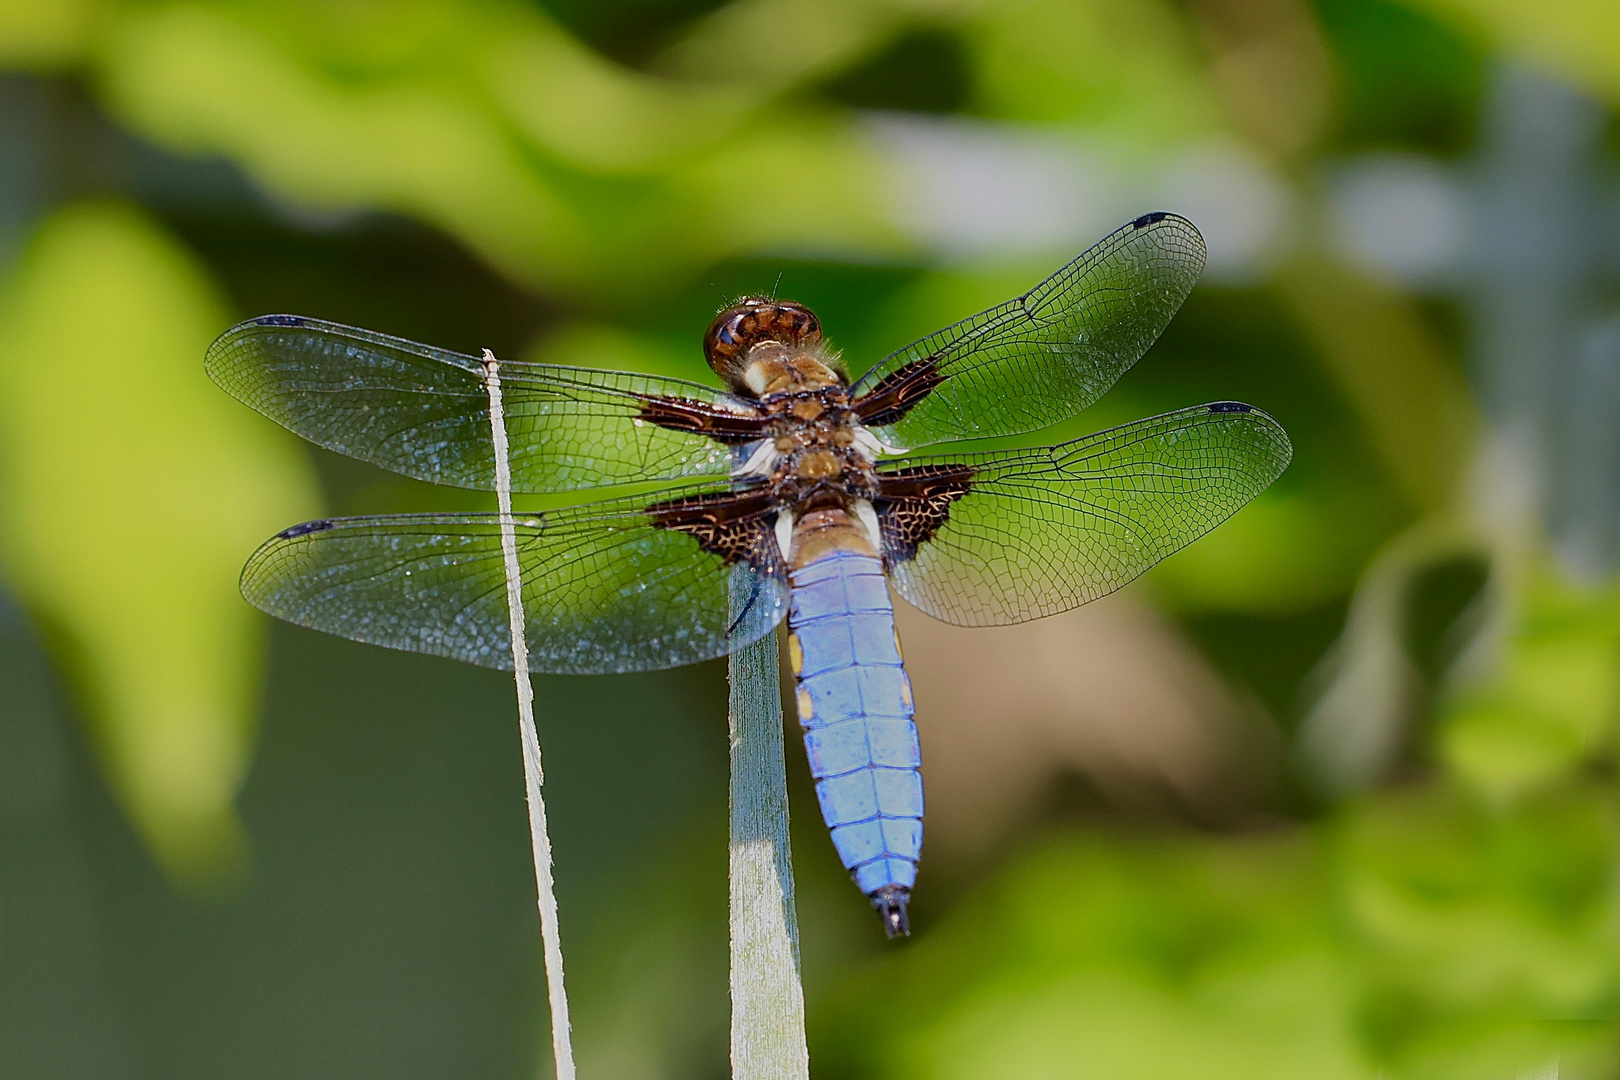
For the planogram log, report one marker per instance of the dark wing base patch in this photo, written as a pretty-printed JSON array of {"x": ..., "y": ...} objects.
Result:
[
  {"x": 736, "y": 526},
  {"x": 913, "y": 504},
  {"x": 898, "y": 392},
  {"x": 684, "y": 414}
]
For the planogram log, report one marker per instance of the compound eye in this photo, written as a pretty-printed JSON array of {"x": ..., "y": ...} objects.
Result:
[
  {"x": 725, "y": 345},
  {"x": 793, "y": 324},
  {"x": 753, "y": 321}
]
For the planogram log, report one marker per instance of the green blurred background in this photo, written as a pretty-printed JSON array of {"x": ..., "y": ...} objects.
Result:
[{"x": 1330, "y": 794}]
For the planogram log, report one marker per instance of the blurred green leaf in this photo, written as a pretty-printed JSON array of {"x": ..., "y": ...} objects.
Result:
[
  {"x": 202, "y": 82},
  {"x": 566, "y": 172},
  {"x": 45, "y": 35},
  {"x": 1127, "y": 69},
  {"x": 1579, "y": 38},
  {"x": 1128, "y": 956},
  {"x": 1549, "y": 702},
  {"x": 131, "y": 491},
  {"x": 1458, "y": 924},
  {"x": 616, "y": 119},
  {"x": 772, "y": 44},
  {"x": 1405, "y": 79},
  {"x": 1408, "y": 393},
  {"x": 602, "y": 345},
  {"x": 1287, "y": 551},
  {"x": 1487, "y": 937},
  {"x": 1427, "y": 937}
]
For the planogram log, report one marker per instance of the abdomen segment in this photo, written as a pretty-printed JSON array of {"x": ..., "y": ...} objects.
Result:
[{"x": 855, "y": 707}]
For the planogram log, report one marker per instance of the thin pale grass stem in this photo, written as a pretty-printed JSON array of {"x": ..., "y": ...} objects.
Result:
[
  {"x": 562, "y": 1048},
  {"x": 767, "y": 998}
]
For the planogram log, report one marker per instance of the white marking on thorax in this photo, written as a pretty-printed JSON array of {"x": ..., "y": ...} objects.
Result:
[
  {"x": 870, "y": 446},
  {"x": 761, "y": 463},
  {"x": 867, "y": 519},
  {"x": 784, "y": 534},
  {"x": 728, "y": 404},
  {"x": 756, "y": 378}
]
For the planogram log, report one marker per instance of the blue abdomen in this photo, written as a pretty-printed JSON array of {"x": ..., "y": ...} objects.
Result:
[{"x": 855, "y": 706}]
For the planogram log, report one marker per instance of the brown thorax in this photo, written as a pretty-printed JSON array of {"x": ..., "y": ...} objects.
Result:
[
  {"x": 771, "y": 351},
  {"x": 815, "y": 456}
]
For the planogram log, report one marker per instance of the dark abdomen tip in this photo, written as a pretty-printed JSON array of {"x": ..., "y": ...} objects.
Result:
[{"x": 890, "y": 902}]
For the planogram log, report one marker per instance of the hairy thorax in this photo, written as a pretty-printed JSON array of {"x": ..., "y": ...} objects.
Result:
[
  {"x": 815, "y": 463},
  {"x": 807, "y": 474},
  {"x": 816, "y": 459},
  {"x": 816, "y": 453}
]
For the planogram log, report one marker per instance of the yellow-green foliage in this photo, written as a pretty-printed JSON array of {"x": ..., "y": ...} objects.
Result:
[
  {"x": 129, "y": 491},
  {"x": 1456, "y": 923}
]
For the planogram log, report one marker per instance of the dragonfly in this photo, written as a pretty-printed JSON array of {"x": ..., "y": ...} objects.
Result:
[{"x": 793, "y": 493}]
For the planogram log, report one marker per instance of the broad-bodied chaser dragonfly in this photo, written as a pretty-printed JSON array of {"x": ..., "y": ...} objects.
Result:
[{"x": 793, "y": 500}]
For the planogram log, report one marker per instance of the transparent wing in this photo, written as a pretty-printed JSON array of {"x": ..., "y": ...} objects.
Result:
[
  {"x": 1044, "y": 356},
  {"x": 423, "y": 412},
  {"x": 991, "y": 539},
  {"x": 605, "y": 588}
]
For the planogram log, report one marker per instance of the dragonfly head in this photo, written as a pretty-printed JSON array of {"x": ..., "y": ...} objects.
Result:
[{"x": 760, "y": 345}]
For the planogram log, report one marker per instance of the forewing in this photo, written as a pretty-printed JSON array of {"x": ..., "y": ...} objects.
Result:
[
  {"x": 424, "y": 412},
  {"x": 991, "y": 539},
  {"x": 1044, "y": 356},
  {"x": 606, "y": 588}
]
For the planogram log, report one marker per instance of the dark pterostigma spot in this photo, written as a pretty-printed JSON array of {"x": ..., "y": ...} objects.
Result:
[
  {"x": 898, "y": 392},
  {"x": 913, "y": 504},
  {"x": 731, "y": 524},
  {"x": 305, "y": 529},
  {"x": 279, "y": 320},
  {"x": 1149, "y": 219},
  {"x": 1229, "y": 407}
]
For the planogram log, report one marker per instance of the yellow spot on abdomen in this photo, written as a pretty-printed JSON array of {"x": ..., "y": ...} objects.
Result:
[
  {"x": 805, "y": 711},
  {"x": 897, "y": 650},
  {"x": 795, "y": 654},
  {"x": 905, "y": 689}
]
